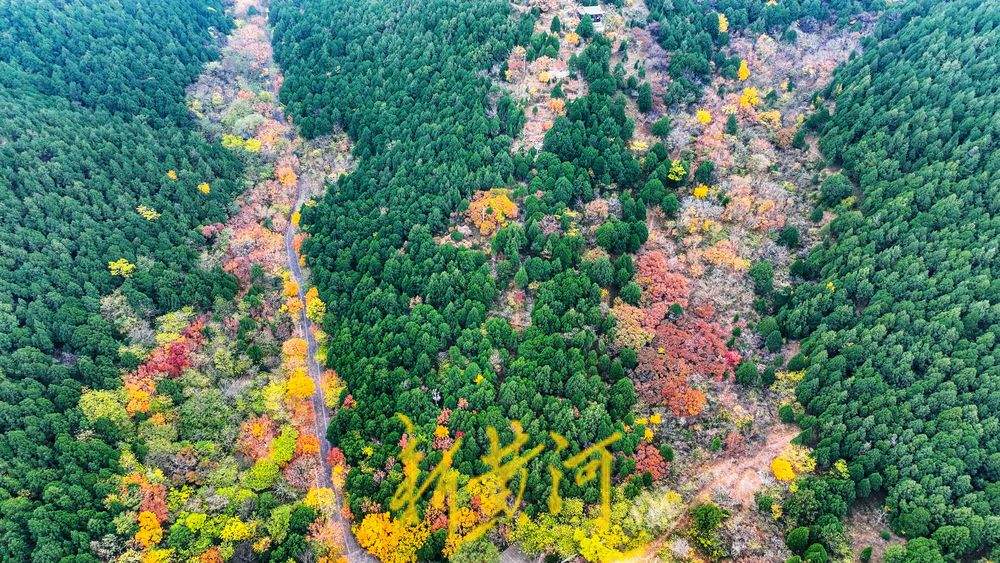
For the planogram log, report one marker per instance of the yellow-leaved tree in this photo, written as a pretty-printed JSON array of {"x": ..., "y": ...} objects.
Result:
[
  {"x": 236, "y": 530},
  {"x": 677, "y": 171},
  {"x": 300, "y": 385},
  {"x": 782, "y": 469},
  {"x": 491, "y": 210},
  {"x": 150, "y": 533},
  {"x": 391, "y": 541},
  {"x": 158, "y": 556},
  {"x": 315, "y": 307},
  {"x": 121, "y": 267},
  {"x": 321, "y": 499},
  {"x": 749, "y": 98},
  {"x": 104, "y": 404},
  {"x": 147, "y": 213},
  {"x": 744, "y": 71},
  {"x": 232, "y": 141},
  {"x": 289, "y": 287}
]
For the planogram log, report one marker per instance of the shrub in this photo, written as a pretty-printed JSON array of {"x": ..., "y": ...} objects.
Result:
[
  {"x": 799, "y": 140},
  {"x": 705, "y": 172},
  {"x": 706, "y": 519},
  {"x": 815, "y": 554},
  {"x": 798, "y": 539},
  {"x": 789, "y": 237},
  {"x": 798, "y": 362},
  {"x": 746, "y": 373},
  {"x": 762, "y": 275},
  {"x": 731, "y": 125},
  {"x": 716, "y": 443},
  {"x": 767, "y": 325},
  {"x": 773, "y": 341},
  {"x": 786, "y": 414},
  {"x": 662, "y": 127},
  {"x": 767, "y": 377},
  {"x": 764, "y": 502},
  {"x": 670, "y": 205}
]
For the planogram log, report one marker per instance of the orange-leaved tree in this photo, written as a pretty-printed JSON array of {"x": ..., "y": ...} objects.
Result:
[{"x": 492, "y": 209}]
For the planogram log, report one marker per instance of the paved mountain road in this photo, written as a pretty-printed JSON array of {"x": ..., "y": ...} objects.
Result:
[{"x": 354, "y": 552}]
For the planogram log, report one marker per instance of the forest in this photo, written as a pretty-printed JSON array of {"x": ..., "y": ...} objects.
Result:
[
  {"x": 900, "y": 356},
  {"x": 685, "y": 281},
  {"x": 414, "y": 331},
  {"x": 427, "y": 323},
  {"x": 93, "y": 127}
]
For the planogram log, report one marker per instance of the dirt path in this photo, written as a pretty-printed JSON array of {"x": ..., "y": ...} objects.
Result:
[
  {"x": 738, "y": 477},
  {"x": 741, "y": 477}
]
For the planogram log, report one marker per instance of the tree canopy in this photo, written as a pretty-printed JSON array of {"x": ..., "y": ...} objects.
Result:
[
  {"x": 899, "y": 310},
  {"x": 92, "y": 118},
  {"x": 415, "y": 327}
]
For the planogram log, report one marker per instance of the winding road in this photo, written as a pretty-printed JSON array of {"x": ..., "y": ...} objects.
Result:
[{"x": 353, "y": 551}]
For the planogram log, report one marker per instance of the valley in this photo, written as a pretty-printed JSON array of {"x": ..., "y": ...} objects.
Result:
[{"x": 499, "y": 280}]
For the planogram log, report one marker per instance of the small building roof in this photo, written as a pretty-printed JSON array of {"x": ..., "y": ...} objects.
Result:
[{"x": 591, "y": 10}]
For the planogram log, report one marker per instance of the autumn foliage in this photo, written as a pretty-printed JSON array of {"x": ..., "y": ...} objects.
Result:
[
  {"x": 294, "y": 350},
  {"x": 695, "y": 344},
  {"x": 390, "y": 540},
  {"x": 167, "y": 360},
  {"x": 658, "y": 282},
  {"x": 681, "y": 398},
  {"x": 782, "y": 469},
  {"x": 630, "y": 328},
  {"x": 306, "y": 444},
  {"x": 315, "y": 307},
  {"x": 723, "y": 23},
  {"x": 150, "y": 532},
  {"x": 300, "y": 385},
  {"x": 743, "y": 73},
  {"x": 255, "y": 437},
  {"x": 724, "y": 254},
  {"x": 749, "y": 98},
  {"x": 286, "y": 175},
  {"x": 491, "y": 210},
  {"x": 682, "y": 348},
  {"x": 121, "y": 267},
  {"x": 154, "y": 500},
  {"x": 648, "y": 458}
]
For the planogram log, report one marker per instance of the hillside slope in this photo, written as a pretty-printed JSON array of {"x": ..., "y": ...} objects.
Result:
[
  {"x": 900, "y": 316},
  {"x": 92, "y": 123}
]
